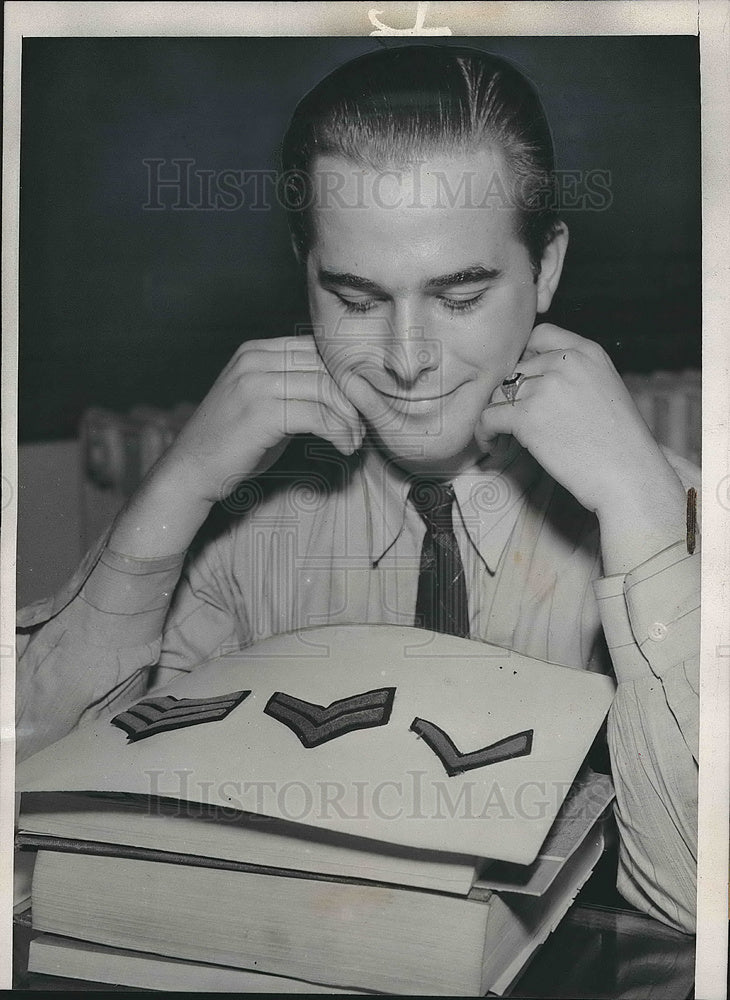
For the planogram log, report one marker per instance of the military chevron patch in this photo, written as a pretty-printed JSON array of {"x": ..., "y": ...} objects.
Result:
[
  {"x": 163, "y": 714},
  {"x": 456, "y": 762},
  {"x": 316, "y": 724}
]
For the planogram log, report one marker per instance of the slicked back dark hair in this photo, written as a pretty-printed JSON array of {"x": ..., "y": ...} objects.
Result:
[{"x": 395, "y": 106}]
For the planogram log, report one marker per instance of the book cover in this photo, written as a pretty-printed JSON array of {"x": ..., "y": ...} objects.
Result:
[{"x": 431, "y": 741}]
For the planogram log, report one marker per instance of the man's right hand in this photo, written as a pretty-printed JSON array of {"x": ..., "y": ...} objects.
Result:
[{"x": 269, "y": 391}]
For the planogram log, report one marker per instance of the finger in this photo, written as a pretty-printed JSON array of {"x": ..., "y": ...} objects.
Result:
[
  {"x": 310, "y": 417},
  {"x": 320, "y": 390},
  {"x": 503, "y": 416},
  {"x": 549, "y": 337},
  {"x": 293, "y": 352},
  {"x": 530, "y": 355},
  {"x": 351, "y": 386},
  {"x": 250, "y": 358},
  {"x": 530, "y": 371},
  {"x": 495, "y": 420},
  {"x": 570, "y": 365},
  {"x": 315, "y": 387},
  {"x": 291, "y": 374},
  {"x": 254, "y": 351},
  {"x": 310, "y": 382},
  {"x": 281, "y": 344}
]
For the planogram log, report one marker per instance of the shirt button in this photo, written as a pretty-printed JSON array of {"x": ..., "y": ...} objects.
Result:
[{"x": 657, "y": 631}]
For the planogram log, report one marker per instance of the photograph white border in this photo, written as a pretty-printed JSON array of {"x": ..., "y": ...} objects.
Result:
[{"x": 709, "y": 18}]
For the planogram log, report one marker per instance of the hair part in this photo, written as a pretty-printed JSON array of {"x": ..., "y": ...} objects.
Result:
[{"x": 396, "y": 106}]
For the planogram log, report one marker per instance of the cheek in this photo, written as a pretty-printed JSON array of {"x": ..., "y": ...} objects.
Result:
[
  {"x": 491, "y": 349},
  {"x": 500, "y": 335},
  {"x": 320, "y": 306},
  {"x": 346, "y": 356},
  {"x": 325, "y": 316},
  {"x": 347, "y": 343}
]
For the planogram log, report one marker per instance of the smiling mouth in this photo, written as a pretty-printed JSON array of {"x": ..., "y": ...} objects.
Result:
[{"x": 417, "y": 399}]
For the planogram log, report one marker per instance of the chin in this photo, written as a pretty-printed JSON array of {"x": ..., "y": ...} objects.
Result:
[{"x": 445, "y": 453}]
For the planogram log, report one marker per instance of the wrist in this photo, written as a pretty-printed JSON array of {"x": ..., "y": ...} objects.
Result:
[
  {"x": 162, "y": 517},
  {"x": 643, "y": 483},
  {"x": 639, "y": 523}
]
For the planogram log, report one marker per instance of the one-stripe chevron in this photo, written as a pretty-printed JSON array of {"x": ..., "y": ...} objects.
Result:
[
  {"x": 456, "y": 762},
  {"x": 315, "y": 724},
  {"x": 165, "y": 713}
]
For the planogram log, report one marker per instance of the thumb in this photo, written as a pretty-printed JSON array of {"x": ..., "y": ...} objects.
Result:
[
  {"x": 494, "y": 421},
  {"x": 485, "y": 434}
]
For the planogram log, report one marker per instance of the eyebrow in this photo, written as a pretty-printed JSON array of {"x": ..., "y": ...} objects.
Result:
[
  {"x": 346, "y": 280},
  {"x": 467, "y": 276}
]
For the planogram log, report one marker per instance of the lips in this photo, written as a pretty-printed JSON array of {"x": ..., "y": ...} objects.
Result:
[
  {"x": 408, "y": 400},
  {"x": 414, "y": 399}
]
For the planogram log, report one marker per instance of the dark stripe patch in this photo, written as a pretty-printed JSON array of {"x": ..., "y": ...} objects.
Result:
[
  {"x": 455, "y": 762},
  {"x": 166, "y": 713},
  {"x": 315, "y": 724}
]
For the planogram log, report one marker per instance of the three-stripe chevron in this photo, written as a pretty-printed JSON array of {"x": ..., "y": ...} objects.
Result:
[
  {"x": 315, "y": 724},
  {"x": 166, "y": 713},
  {"x": 456, "y": 762}
]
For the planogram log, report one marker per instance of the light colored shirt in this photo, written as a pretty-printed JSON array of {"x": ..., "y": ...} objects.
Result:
[{"x": 338, "y": 543}]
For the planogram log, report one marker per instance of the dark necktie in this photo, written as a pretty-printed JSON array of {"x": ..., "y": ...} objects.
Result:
[{"x": 441, "y": 601}]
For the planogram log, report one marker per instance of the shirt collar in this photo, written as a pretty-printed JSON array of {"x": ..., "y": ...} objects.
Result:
[{"x": 489, "y": 498}]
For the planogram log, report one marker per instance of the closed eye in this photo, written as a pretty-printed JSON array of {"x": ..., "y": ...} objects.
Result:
[
  {"x": 360, "y": 305},
  {"x": 450, "y": 303},
  {"x": 464, "y": 305}
]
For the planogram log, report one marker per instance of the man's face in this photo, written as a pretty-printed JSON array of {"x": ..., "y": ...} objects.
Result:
[{"x": 422, "y": 299}]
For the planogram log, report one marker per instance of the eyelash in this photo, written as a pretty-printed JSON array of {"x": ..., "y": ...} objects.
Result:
[
  {"x": 452, "y": 305},
  {"x": 461, "y": 305}
]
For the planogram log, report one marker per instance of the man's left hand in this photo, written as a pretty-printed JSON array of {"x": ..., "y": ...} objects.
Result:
[{"x": 580, "y": 423}]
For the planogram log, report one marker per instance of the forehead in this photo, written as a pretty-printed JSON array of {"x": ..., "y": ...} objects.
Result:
[{"x": 438, "y": 210}]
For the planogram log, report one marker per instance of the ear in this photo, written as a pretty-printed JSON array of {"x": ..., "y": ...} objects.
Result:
[
  {"x": 551, "y": 267},
  {"x": 297, "y": 253}
]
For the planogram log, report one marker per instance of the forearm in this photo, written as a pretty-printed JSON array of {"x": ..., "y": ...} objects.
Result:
[
  {"x": 644, "y": 514},
  {"x": 90, "y": 646},
  {"x": 162, "y": 517},
  {"x": 655, "y": 777},
  {"x": 61, "y": 681},
  {"x": 651, "y": 622}
]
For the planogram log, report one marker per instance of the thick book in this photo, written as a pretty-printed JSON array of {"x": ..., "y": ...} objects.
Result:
[
  {"x": 187, "y": 833},
  {"x": 134, "y": 825},
  {"x": 389, "y": 734},
  {"x": 324, "y": 931},
  {"x": 136, "y": 821},
  {"x": 69, "y": 958}
]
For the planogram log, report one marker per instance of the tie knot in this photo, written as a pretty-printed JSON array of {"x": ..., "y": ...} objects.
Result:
[{"x": 434, "y": 501}]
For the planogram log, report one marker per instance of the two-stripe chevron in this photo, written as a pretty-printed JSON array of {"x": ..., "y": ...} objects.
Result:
[
  {"x": 165, "y": 713},
  {"x": 316, "y": 724}
]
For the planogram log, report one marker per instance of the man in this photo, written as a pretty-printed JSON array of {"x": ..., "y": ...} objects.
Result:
[{"x": 465, "y": 469}]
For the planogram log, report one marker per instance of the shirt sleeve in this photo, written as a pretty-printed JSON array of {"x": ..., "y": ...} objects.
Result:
[
  {"x": 651, "y": 622},
  {"x": 120, "y": 626},
  {"x": 89, "y": 646}
]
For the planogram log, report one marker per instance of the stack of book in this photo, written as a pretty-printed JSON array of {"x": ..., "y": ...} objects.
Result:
[{"x": 301, "y": 818}]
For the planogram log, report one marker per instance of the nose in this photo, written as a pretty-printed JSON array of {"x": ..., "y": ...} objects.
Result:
[{"x": 409, "y": 358}]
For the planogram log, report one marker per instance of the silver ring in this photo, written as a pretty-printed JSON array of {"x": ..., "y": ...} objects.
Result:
[{"x": 510, "y": 387}]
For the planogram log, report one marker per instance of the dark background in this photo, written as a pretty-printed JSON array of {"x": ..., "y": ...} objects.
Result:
[{"x": 120, "y": 305}]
